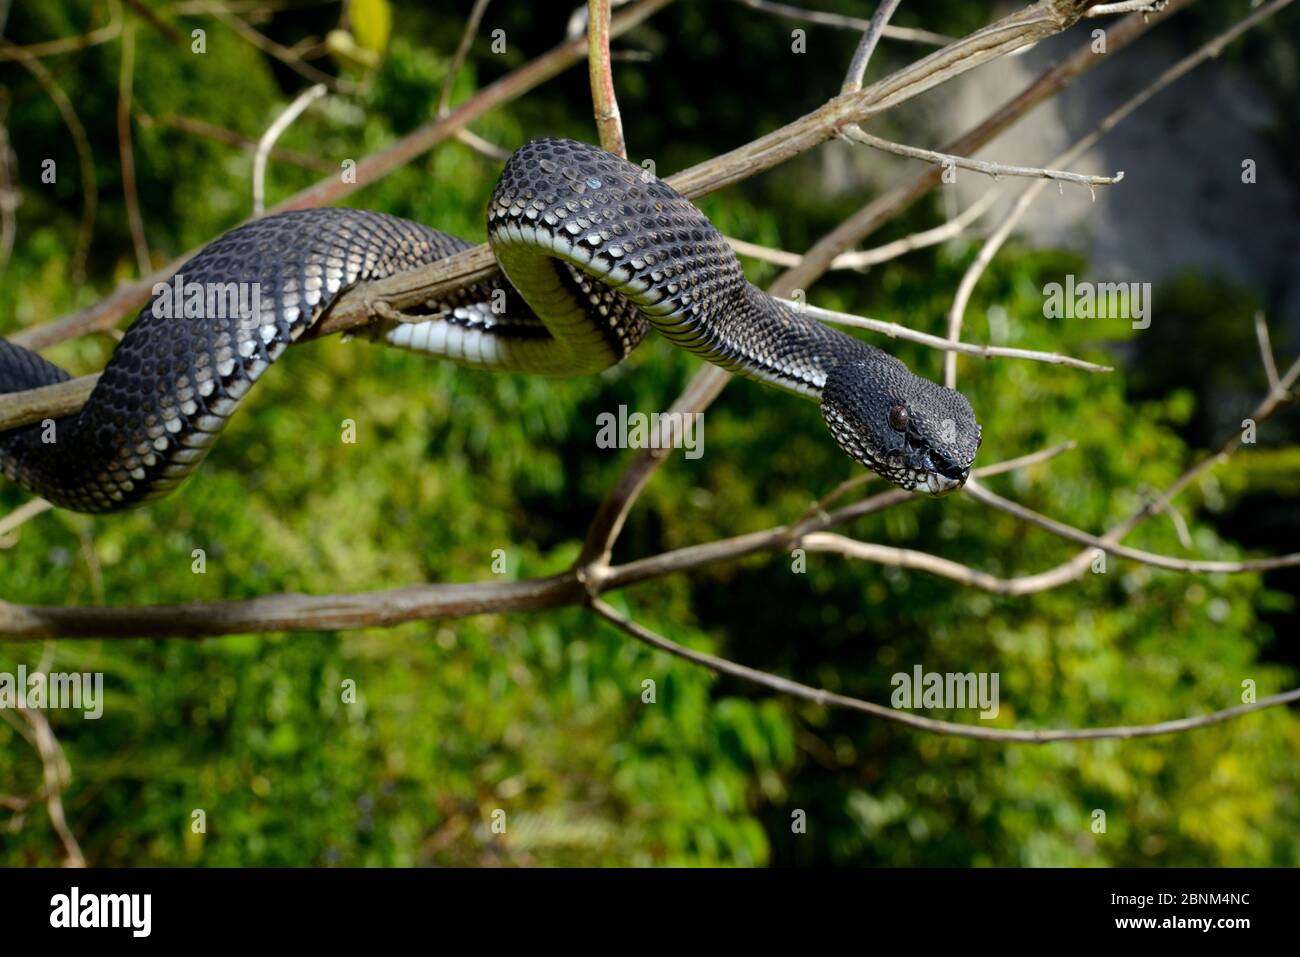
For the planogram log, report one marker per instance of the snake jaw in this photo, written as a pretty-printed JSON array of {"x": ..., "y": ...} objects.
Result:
[{"x": 937, "y": 484}]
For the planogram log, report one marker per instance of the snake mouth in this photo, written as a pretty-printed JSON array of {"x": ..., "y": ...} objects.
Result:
[
  {"x": 937, "y": 484},
  {"x": 929, "y": 470}
]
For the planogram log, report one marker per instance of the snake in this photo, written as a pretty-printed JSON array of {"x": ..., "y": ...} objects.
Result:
[{"x": 594, "y": 252}]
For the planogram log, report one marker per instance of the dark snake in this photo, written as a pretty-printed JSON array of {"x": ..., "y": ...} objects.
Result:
[{"x": 595, "y": 252}]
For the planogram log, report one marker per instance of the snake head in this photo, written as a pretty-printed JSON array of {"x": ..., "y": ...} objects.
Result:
[{"x": 919, "y": 435}]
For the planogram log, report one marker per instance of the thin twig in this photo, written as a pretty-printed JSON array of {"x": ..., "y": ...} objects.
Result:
[
  {"x": 895, "y": 331},
  {"x": 861, "y": 259},
  {"x": 1127, "y": 6},
  {"x": 15, "y": 519},
  {"x": 458, "y": 58},
  {"x": 981, "y": 494},
  {"x": 857, "y": 24},
  {"x": 859, "y": 135},
  {"x": 482, "y": 147},
  {"x": 867, "y": 46},
  {"x": 830, "y": 699},
  {"x": 604, "y": 101},
  {"x": 150, "y": 16},
  {"x": 1266, "y": 352},
  {"x": 294, "y": 110},
  {"x": 617, "y": 504},
  {"x": 10, "y": 197},
  {"x": 130, "y": 195},
  {"x": 56, "y": 774}
]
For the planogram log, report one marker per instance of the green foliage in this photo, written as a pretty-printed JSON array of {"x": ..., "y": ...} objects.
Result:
[{"x": 544, "y": 716}]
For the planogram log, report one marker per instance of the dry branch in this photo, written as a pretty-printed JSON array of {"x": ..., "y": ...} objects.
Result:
[
  {"x": 910, "y": 34},
  {"x": 895, "y": 331},
  {"x": 830, "y": 699},
  {"x": 858, "y": 135},
  {"x": 273, "y": 132},
  {"x": 609, "y": 125}
]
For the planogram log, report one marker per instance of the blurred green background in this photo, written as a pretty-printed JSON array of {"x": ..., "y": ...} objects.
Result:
[{"x": 542, "y": 715}]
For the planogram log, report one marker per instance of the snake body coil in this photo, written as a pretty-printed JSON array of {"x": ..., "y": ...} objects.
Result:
[{"x": 595, "y": 253}]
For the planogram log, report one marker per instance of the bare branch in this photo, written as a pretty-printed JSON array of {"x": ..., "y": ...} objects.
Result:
[
  {"x": 1266, "y": 352},
  {"x": 603, "y": 99},
  {"x": 830, "y": 699},
  {"x": 895, "y": 331},
  {"x": 56, "y": 774},
  {"x": 618, "y": 502},
  {"x": 289, "y": 612},
  {"x": 859, "y": 135},
  {"x": 458, "y": 58},
  {"x": 47, "y": 402},
  {"x": 1127, "y": 6},
  {"x": 10, "y": 198},
  {"x": 862, "y": 259},
  {"x": 867, "y": 46},
  {"x": 126, "y": 151},
  {"x": 15, "y": 519},
  {"x": 981, "y": 494},
  {"x": 857, "y": 24},
  {"x": 294, "y": 110}
]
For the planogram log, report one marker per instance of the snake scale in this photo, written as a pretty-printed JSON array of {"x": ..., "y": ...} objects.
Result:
[{"x": 595, "y": 252}]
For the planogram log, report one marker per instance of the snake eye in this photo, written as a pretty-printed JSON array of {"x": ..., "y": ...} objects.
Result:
[{"x": 898, "y": 418}]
